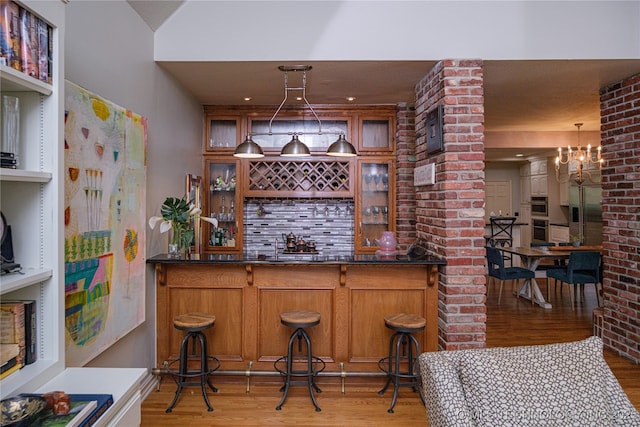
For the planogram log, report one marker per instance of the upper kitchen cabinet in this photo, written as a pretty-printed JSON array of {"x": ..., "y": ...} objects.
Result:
[
  {"x": 223, "y": 202},
  {"x": 539, "y": 179},
  {"x": 374, "y": 202},
  {"x": 222, "y": 133},
  {"x": 377, "y": 133}
]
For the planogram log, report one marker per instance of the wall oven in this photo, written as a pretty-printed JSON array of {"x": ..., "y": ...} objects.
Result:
[
  {"x": 539, "y": 230},
  {"x": 539, "y": 206}
]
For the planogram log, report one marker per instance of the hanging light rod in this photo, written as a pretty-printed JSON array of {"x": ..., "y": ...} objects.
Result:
[{"x": 296, "y": 148}]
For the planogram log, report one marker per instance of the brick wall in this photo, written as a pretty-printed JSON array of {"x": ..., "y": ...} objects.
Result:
[
  {"x": 450, "y": 214},
  {"x": 405, "y": 163},
  {"x": 620, "y": 130}
]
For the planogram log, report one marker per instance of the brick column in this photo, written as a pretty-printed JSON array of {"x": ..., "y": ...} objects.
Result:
[
  {"x": 450, "y": 214},
  {"x": 620, "y": 130},
  {"x": 405, "y": 163}
]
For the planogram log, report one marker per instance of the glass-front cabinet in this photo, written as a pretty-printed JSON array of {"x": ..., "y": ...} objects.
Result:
[
  {"x": 374, "y": 202},
  {"x": 222, "y": 133},
  {"x": 223, "y": 202},
  {"x": 376, "y": 134}
]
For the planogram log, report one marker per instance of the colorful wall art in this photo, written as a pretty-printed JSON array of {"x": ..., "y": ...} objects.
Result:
[{"x": 104, "y": 219}]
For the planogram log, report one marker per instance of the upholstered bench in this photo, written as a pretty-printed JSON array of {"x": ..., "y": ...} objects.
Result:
[{"x": 564, "y": 384}]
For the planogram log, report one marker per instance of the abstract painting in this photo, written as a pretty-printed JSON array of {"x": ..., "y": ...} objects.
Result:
[{"x": 104, "y": 221}]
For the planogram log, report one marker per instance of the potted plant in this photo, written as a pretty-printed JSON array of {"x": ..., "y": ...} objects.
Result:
[
  {"x": 176, "y": 214},
  {"x": 575, "y": 240}
]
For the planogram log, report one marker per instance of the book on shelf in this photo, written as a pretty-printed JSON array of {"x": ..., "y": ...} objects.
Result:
[
  {"x": 29, "y": 337},
  {"x": 9, "y": 359},
  {"x": 104, "y": 402},
  {"x": 12, "y": 326},
  {"x": 11, "y": 370},
  {"x": 8, "y": 352},
  {"x": 79, "y": 412},
  {"x": 29, "y": 43},
  {"x": 30, "y": 331},
  {"x": 10, "y": 34}
]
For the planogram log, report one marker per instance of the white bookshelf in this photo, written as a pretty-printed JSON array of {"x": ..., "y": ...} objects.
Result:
[{"x": 32, "y": 201}]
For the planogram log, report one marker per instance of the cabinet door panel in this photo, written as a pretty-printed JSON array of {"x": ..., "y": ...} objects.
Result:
[
  {"x": 374, "y": 202},
  {"x": 223, "y": 202}
]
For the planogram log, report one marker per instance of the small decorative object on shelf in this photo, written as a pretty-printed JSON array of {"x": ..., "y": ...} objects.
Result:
[
  {"x": 10, "y": 131},
  {"x": 387, "y": 243},
  {"x": 176, "y": 215}
]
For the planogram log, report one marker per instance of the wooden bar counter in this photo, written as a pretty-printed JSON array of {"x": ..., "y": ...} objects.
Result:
[{"x": 352, "y": 294}]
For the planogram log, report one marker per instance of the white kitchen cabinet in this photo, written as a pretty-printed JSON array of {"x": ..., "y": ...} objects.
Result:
[
  {"x": 539, "y": 167},
  {"x": 32, "y": 201},
  {"x": 539, "y": 185}
]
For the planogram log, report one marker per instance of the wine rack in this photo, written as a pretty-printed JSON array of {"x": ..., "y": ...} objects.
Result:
[{"x": 300, "y": 178}]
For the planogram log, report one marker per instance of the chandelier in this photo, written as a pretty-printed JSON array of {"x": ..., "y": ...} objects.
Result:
[
  {"x": 295, "y": 148},
  {"x": 582, "y": 157}
]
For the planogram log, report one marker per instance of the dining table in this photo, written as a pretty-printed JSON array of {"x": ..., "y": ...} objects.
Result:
[{"x": 531, "y": 257}]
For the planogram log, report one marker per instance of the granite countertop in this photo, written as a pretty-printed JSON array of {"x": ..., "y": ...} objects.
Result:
[{"x": 296, "y": 259}]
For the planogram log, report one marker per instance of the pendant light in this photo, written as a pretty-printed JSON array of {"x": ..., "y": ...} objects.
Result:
[
  {"x": 341, "y": 148},
  {"x": 295, "y": 147},
  {"x": 248, "y": 149}
]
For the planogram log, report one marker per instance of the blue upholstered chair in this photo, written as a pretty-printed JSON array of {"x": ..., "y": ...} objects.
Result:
[
  {"x": 583, "y": 267},
  {"x": 497, "y": 270}
]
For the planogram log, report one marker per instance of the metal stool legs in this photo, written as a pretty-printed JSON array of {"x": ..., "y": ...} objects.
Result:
[
  {"x": 310, "y": 372},
  {"x": 184, "y": 376},
  {"x": 402, "y": 347}
]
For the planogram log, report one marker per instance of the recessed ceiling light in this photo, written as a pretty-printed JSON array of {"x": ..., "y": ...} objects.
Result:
[
  {"x": 351, "y": 98},
  {"x": 247, "y": 98},
  {"x": 519, "y": 155}
]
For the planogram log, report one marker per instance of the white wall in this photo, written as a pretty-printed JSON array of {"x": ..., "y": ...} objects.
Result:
[
  {"x": 109, "y": 51},
  {"x": 399, "y": 30}
]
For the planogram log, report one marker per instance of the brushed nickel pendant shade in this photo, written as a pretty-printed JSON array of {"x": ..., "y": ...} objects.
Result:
[
  {"x": 295, "y": 148},
  {"x": 341, "y": 148},
  {"x": 248, "y": 149}
]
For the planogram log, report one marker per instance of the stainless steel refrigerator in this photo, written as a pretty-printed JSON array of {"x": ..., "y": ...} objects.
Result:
[{"x": 585, "y": 212}]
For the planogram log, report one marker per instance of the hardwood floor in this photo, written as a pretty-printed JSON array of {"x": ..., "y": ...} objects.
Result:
[{"x": 512, "y": 323}]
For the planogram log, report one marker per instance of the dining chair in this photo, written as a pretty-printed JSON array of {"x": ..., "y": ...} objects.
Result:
[
  {"x": 502, "y": 234},
  {"x": 583, "y": 267},
  {"x": 497, "y": 270}
]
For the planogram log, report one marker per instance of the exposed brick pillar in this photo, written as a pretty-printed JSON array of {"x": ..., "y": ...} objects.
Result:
[
  {"x": 450, "y": 214},
  {"x": 620, "y": 130},
  {"x": 405, "y": 162}
]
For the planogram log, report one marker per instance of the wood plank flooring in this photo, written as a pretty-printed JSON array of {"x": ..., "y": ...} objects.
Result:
[{"x": 512, "y": 323}]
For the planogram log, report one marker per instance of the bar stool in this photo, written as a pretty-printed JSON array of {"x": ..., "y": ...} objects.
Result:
[
  {"x": 194, "y": 324},
  {"x": 403, "y": 347},
  {"x": 300, "y": 320}
]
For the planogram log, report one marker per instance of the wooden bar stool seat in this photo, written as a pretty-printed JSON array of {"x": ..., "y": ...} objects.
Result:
[
  {"x": 401, "y": 366},
  {"x": 194, "y": 324},
  {"x": 311, "y": 365}
]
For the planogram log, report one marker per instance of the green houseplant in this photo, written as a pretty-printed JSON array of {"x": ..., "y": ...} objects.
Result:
[
  {"x": 575, "y": 240},
  {"x": 176, "y": 215}
]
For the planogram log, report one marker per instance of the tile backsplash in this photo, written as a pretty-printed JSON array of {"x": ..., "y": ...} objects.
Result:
[{"x": 327, "y": 222}]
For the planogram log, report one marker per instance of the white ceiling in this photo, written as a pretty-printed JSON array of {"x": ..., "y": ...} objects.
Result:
[{"x": 531, "y": 96}]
